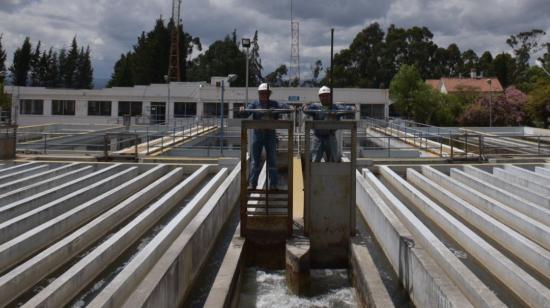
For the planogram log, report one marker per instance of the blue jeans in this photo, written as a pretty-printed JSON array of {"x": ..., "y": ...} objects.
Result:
[
  {"x": 325, "y": 145},
  {"x": 268, "y": 140}
]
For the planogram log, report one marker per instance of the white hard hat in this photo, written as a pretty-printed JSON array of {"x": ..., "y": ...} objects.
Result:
[
  {"x": 263, "y": 87},
  {"x": 324, "y": 90}
]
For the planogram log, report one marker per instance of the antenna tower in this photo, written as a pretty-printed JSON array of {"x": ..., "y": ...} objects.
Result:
[
  {"x": 174, "y": 60},
  {"x": 294, "y": 73}
]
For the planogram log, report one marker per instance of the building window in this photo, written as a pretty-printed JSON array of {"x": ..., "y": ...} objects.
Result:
[
  {"x": 63, "y": 107},
  {"x": 214, "y": 109},
  {"x": 99, "y": 108},
  {"x": 372, "y": 111},
  {"x": 184, "y": 110},
  {"x": 130, "y": 108},
  {"x": 32, "y": 106}
]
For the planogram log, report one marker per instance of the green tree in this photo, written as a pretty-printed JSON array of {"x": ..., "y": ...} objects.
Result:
[
  {"x": 505, "y": 69},
  {"x": 52, "y": 74},
  {"x": 148, "y": 61},
  {"x": 5, "y": 101},
  {"x": 485, "y": 64},
  {"x": 35, "y": 69},
  {"x": 70, "y": 67},
  {"x": 21, "y": 63},
  {"x": 2, "y": 61},
  {"x": 410, "y": 94},
  {"x": 61, "y": 68},
  {"x": 84, "y": 71},
  {"x": 454, "y": 60},
  {"x": 470, "y": 61},
  {"x": 276, "y": 78},
  {"x": 222, "y": 58},
  {"x": 545, "y": 58},
  {"x": 524, "y": 44},
  {"x": 255, "y": 69},
  {"x": 122, "y": 75},
  {"x": 316, "y": 69},
  {"x": 538, "y": 104}
]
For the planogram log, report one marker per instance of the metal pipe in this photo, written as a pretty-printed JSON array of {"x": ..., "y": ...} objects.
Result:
[{"x": 331, "y": 67}]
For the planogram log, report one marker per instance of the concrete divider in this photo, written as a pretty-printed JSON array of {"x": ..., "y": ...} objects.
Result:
[
  {"x": 120, "y": 288},
  {"x": 169, "y": 281},
  {"x": 31, "y": 179},
  {"x": 223, "y": 293},
  {"x": 475, "y": 290},
  {"x": 32, "y": 239},
  {"x": 543, "y": 171},
  {"x": 524, "y": 224},
  {"x": 512, "y": 188},
  {"x": 23, "y": 277},
  {"x": 23, "y": 192},
  {"x": 513, "y": 178},
  {"x": 33, "y": 201},
  {"x": 366, "y": 278},
  {"x": 531, "y": 291},
  {"x": 61, "y": 291},
  {"x": 529, "y": 175},
  {"x": 23, "y": 173},
  {"x": 26, "y": 221},
  {"x": 513, "y": 201},
  {"x": 426, "y": 282},
  {"x": 519, "y": 245}
]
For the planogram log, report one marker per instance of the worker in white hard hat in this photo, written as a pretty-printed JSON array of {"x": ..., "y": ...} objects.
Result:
[
  {"x": 264, "y": 138},
  {"x": 325, "y": 143}
]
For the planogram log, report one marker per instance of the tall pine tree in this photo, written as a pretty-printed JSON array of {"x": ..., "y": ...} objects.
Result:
[
  {"x": 2, "y": 61},
  {"x": 148, "y": 61},
  {"x": 21, "y": 63}
]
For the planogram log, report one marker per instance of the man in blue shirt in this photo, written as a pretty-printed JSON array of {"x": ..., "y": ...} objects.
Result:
[
  {"x": 264, "y": 138},
  {"x": 325, "y": 142}
]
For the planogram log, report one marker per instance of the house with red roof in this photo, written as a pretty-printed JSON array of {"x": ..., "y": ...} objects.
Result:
[{"x": 473, "y": 84}]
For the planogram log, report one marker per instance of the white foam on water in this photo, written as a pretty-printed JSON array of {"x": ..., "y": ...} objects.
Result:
[{"x": 269, "y": 289}]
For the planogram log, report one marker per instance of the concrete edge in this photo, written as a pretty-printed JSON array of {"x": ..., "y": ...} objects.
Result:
[
  {"x": 224, "y": 291},
  {"x": 366, "y": 278}
]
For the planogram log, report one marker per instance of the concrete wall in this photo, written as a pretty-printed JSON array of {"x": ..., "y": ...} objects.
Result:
[{"x": 198, "y": 92}]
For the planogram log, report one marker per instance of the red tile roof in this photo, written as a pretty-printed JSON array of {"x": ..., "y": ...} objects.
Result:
[
  {"x": 465, "y": 84},
  {"x": 480, "y": 85},
  {"x": 434, "y": 83}
]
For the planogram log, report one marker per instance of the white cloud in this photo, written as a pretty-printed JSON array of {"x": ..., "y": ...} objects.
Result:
[{"x": 111, "y": 27}]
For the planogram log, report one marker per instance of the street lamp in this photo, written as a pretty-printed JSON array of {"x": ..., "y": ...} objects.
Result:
[
  {"x": 168, "y": 102},
  {"x": 246, "y": 44},
  {"x": 230, "y": 78},
  {"x": 490, "y": 82},
  {"x": 541, "y": 65}
]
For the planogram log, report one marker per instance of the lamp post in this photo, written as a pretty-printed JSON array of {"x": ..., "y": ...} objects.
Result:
[
  {"x": 168, "y": 99},
  {"x": 490, "y": 103},
  {"x": 541, "y": 65},
  {"x": 230, "y": 78},
  {"x": 246, "y": 44}
]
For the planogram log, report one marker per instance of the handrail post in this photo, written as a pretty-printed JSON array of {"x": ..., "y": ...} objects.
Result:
[{"x": 45, "y": 143}]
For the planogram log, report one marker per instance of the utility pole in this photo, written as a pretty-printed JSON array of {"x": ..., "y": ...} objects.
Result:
[
  {"x": 174, "y": 61},
  {"x": 294, "y": 73}
]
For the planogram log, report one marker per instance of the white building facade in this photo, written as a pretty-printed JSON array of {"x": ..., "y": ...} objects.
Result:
[{"x": 165, "y": 103}]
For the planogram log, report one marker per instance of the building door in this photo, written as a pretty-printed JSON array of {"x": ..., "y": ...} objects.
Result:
[{"x": 158, "y": 113}]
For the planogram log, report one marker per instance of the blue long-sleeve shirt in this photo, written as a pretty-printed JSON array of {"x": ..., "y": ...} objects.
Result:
[
  {"x": 267, "y": 105},
  {"x": 313, "y": 110}
]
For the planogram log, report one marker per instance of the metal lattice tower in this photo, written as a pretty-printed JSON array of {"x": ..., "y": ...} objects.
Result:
[
  {"x": 294, "y": 73},
  {"x": 174, "y": 60}
]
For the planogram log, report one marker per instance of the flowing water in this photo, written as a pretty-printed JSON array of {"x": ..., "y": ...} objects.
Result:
[{"x": 329, "y": 288}]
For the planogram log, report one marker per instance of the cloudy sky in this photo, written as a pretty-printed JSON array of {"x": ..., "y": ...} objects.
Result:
[{"x": 111, "y": 27}]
